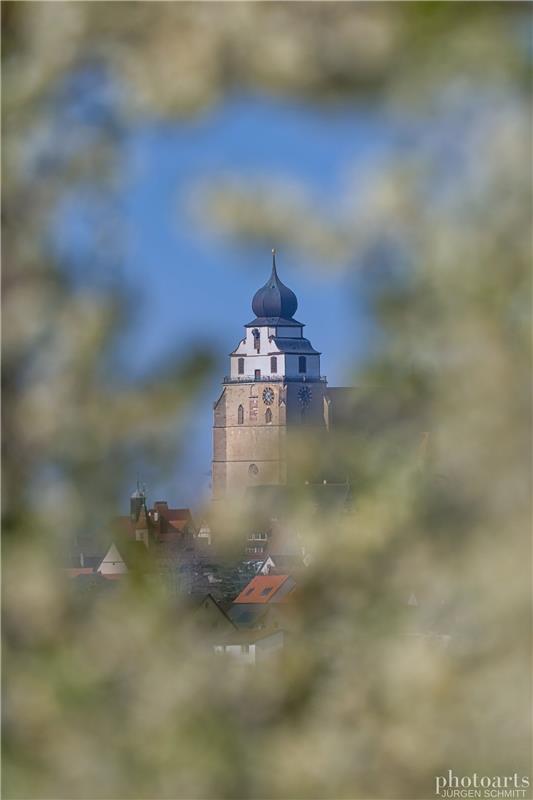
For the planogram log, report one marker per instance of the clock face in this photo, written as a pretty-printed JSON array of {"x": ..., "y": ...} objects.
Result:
[
  {"x": 304, "y": 395},
  {"x": 268, "y": 396}
]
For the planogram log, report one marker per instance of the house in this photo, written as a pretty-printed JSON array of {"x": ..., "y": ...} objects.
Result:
[
  {"x": 168, "y": 536},
  {"x": 160, "y": 524},
  {"x": 249, "y": 646},
  {"x": 125, "y": 557},
  {"x": 112, "y": 564},
  {"x": 171, "y": 524},
  {"x": 259, "y": 603}
]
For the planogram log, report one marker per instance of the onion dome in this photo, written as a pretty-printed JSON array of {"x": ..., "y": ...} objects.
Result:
[{"x": 274, "y": 299}]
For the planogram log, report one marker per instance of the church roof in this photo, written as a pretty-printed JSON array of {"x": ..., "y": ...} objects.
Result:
[
  {"x": 273, "y": 322},
  {"x": 297, "y": 346},
  {"x": 274, "y": 300}
]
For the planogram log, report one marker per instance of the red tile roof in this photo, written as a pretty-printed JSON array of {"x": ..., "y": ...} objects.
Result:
[
  {"x": 261, "y": 589},
  {"x": 177, "y": 524}
]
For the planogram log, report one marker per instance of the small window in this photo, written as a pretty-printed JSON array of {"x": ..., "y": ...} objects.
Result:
[
  {"x": 240, "y": 367},
  {"x": 266, "y": 591},
  {"x": 273, "y": 364},
  {"x": 240, "y": 415},
  {"x": 268, "y": 416},
  {"x": 302, "y": 364},
  {"x": 250, "y": 590},
  {"x": 257, "y": 374}
]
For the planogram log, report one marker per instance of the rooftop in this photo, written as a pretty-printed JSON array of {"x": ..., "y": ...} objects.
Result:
[{"x": 261, "y": 589}]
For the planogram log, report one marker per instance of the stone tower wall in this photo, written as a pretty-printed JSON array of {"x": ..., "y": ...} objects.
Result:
[{"x": 258, "y": 442}]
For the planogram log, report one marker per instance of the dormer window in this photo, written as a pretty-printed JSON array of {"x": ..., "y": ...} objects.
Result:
[
  {"x": 273, "y": 365},
  {"x": 302, "y": 365},
  {"x": 240, "y": 366},
  {"x": 257, "y": 340}
]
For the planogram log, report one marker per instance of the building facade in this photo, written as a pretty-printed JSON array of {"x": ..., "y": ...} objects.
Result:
[{"x": 274, "y": 386}]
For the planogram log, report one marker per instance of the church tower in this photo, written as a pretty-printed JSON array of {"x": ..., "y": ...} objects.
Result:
[{"x": 274, "y": 385}]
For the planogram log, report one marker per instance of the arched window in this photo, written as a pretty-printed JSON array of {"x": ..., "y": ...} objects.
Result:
[
  {"x": 273, "y": 364},
  {"x": 268, "y": 416},
  {"x": 240, "y": 366},
  {"x": 257, "y": 339},
  {"x": 302, "y": 364},
  {"x": 240, "y": 415}
]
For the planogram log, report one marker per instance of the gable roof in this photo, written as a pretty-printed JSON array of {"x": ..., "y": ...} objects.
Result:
[
  {"x": 208, "y": 601},
  {"x": 261, "y": 589},
  {"x": 132, "y": 554}
]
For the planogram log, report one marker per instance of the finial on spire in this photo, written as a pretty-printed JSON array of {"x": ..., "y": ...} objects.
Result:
[{"x": 274, "y": 260}]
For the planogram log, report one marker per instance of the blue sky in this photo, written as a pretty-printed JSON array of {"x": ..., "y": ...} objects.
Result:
[{"x": 198, "y": 285}]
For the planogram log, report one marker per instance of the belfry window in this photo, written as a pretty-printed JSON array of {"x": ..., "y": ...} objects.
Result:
[
  {"x": 302, "y": 364},
  {"x": 257, "y": 339},
  {"x": 240, "y": 415},
  {"x": 268, "y": 416},
  {"x": 240, "y": 366},
  {"x": 273, "y": 364}
]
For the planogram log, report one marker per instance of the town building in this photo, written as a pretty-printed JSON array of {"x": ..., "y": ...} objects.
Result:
[
  {"x": 262, "y": 602},
  {"x": 274, "y": 385}
]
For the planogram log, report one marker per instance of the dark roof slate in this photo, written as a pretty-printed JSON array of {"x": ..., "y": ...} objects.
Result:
[
  {"x": 274, "y": 299},
  {"x": 272, "y": 322},
  {"x": 298, "y": 346}
]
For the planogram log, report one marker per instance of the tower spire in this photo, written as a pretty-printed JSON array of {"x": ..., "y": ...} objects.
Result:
[{"x": 274, "y": 300}]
